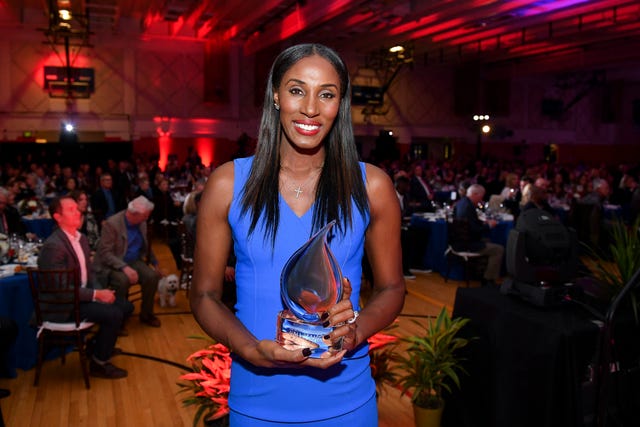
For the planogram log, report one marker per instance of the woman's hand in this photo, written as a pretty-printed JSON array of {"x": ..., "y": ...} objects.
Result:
[
  {"x": 343, "y": 317},
  {"x": 271, "y": 354}
]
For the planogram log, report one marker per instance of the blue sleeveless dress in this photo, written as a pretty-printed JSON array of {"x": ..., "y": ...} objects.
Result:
[{"x": 291, "y": 395}]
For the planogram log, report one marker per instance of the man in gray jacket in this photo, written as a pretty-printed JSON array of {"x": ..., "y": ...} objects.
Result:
[{"x": 124, "y": 254}]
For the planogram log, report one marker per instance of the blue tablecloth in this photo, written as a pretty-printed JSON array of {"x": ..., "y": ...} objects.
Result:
[
  {"x": 16, "y": 303},
  {"x": 436, "y": 244},
  {"x": 41, "y": 227}
]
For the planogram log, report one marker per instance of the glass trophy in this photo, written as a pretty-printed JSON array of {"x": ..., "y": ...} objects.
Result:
[{"x": 310, "y": 284}]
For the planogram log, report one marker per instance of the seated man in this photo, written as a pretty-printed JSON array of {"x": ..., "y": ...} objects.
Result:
[
  {"x": 539, "y": 199},
  {"x": 122, "y": 253},
  {"x": 68, "y": 248},
  {"x": 10, "y": 221},
  {"x": 465, "y": 210}
]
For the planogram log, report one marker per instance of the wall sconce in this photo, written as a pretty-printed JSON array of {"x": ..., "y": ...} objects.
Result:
[{"x": 164, "y": 126}]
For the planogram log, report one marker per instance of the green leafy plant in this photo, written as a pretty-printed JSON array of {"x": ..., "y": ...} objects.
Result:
[
  {"x": 430, "y": 364},
  {"x": 624, "y": 260}
]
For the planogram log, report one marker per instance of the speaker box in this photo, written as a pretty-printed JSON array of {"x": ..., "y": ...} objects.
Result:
[
  {"x": 466, "y": 88},
  {"x": 612, "y": 102},
  {"x": 635, "y": 112},
  {"x": 216, "y": 72},
  {"x": 497, "y": 97}
]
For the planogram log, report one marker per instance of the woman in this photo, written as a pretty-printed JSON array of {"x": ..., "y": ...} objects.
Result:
[
  {"x": 89, "y": 223},
  {"x": 304, "y": 174}
]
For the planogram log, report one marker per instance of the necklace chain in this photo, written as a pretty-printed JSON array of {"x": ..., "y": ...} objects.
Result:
[{"x": 299, "y": 189}]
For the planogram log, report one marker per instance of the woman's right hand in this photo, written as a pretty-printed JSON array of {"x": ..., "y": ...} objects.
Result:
[{"x": 271, "y": 354}]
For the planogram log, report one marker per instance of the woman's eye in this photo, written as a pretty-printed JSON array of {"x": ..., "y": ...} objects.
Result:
[
  {"x": 295, "y": 91},
  {"x": 328, "y": 95}
]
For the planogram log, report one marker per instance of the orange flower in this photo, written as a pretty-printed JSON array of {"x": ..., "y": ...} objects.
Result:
[{"x": 208, "y": 383}]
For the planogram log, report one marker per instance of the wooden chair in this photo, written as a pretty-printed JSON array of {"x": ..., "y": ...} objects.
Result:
[
  {"x": 458, "y": 247},
  {"x": 586, "y": 219},
  {"x": 56, "y": 294}
]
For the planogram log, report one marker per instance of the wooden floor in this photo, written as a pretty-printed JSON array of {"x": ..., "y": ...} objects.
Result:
[{"x": 148, "y": 396}]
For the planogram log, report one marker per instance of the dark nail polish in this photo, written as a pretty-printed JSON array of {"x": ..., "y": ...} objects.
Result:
[
  {"x": 325, "y": 324},
  {"x": 326, "y": 337},
  {"x": 306, "y": 352},
  {"x": 324, "y": 316}
]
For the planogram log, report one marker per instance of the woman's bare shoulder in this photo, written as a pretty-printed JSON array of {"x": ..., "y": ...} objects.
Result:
[
  {"x": 219, "y": 186},
  {"x": 222, "y": 175},
  {"x": 376, "y": 176}
]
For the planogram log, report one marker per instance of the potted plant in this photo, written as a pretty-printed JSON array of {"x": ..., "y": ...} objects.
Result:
[
  {"x": 616, "y": 270},
  {"x": 430, "y": 365}
]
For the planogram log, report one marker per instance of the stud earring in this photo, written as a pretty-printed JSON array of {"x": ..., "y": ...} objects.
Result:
[{"x": 276, "y": 106}]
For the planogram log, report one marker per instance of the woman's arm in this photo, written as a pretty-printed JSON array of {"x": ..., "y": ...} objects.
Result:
[
  {"x": 212, "y": 250},
  {"x": 382, "y": 244},
  {"x": 384, "y": 252}
]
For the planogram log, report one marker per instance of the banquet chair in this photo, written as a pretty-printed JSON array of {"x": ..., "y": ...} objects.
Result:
[
  {"x": 458, "y": 248},
  {"x": 586, "y": 220},
  {"x": 56, "y": 294}
]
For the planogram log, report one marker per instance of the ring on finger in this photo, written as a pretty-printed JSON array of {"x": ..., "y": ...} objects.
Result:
[{"x": 355, "y": 316}]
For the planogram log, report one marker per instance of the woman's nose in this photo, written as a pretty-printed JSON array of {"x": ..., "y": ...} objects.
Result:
[{"x": 310, "y": 106}]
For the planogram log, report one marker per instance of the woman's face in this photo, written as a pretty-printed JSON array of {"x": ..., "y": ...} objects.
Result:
[
  {"x": 309, "y": 99},
  {"x": 82, "y": 203}
]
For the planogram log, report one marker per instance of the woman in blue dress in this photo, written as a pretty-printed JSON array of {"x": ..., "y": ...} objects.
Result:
[{"x": 305, "y": 173}]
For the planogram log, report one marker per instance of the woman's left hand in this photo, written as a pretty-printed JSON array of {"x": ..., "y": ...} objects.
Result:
[{"x": 343, "y": 317}]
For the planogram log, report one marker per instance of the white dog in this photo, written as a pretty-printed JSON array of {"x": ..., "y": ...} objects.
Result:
[{"x": 167, "y": 288}]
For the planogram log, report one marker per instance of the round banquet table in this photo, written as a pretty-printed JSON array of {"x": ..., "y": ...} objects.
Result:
[
  {"x": 16, "y": 303},
  {"x": 41, "y": 227}
]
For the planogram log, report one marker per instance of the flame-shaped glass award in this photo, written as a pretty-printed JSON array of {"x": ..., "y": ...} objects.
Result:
[{"x": 310, "y": 284}]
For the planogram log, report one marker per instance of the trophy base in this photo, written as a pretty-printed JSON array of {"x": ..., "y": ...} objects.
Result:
[{"x": 293, "y": 333}]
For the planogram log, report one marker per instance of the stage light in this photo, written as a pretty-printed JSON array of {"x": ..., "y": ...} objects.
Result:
[
  {"x": 68, "y": 133},
  {"x": 396, "y": 49},
  {"x": 64, "y": 14},
  {"x": 486, "y": 129},
  {"x": 64, "y": 10}
]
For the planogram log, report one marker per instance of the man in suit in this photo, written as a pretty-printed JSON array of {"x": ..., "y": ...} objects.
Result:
[
  {"x": 123, "y": 256},
  {"x": 106, "y": 201},
  {"x": 420, "y": 194},
  {"x": 68, "y": 248},
  {"x": 465, "y": 210}
]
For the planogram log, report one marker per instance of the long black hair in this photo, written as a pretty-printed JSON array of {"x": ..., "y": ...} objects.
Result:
[{"x": 341, "y": 180}]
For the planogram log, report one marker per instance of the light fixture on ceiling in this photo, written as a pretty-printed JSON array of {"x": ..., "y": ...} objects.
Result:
[{"x": 64, "y": 10}]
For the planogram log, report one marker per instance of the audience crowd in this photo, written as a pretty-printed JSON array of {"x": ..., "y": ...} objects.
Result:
[{"x": 101, "y": 190}]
